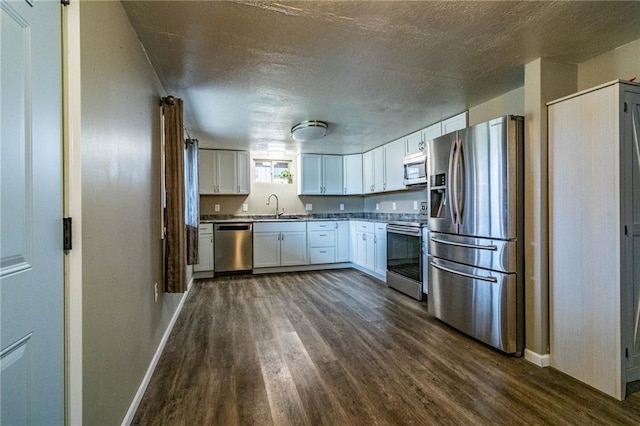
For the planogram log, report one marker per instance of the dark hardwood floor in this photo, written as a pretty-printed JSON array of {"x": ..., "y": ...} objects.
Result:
[{"x": 340, "y": 348}]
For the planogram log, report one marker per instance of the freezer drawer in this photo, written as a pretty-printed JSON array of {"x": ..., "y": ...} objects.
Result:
[
  {"x": 476, "y": 301},
  {"x": 499, "y": 255}
]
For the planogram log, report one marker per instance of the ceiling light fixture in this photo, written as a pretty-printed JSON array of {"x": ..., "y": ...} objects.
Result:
[{"x": 309, "y": 130}]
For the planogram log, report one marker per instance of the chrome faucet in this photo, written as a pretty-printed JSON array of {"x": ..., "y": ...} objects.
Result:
[{"x": 278, "y": 213}]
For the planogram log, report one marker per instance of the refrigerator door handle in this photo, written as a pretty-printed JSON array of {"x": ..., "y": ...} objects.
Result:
[
  {"x": 464, "y": 274},
  {"x": 461, "y": 180},
  {"x": 450, "y": 182},
  {"x": 471, "y": 246}
]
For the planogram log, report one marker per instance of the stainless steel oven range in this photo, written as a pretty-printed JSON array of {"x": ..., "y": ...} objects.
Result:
[{"x": 406, "y": 258}]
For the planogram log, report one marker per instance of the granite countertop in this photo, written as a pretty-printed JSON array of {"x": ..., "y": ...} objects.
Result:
[{"x": 367, "y": 217}]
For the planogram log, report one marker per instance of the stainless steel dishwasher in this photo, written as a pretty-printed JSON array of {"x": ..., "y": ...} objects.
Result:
[{"x": 233, "y": 247}]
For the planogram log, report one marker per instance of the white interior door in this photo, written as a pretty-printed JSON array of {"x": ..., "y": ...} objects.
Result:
[{"x": 31, "y": 257}]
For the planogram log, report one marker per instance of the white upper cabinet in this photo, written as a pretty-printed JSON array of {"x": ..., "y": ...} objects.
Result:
[
  {"x": 352, "y": 173},
  {"x": 226, "y": 172},
  {"x": 414, "y": 142},
  {"x": 431, "y": 132},
  {"x": 393, "y": 168},
  {"x": 244, "y": 172},
  {"x": 320, "y": 174},
  {"x": 457, "y": 122},
  {"x": 373, "y": 170},
  {"x": 223, "y": 172}
]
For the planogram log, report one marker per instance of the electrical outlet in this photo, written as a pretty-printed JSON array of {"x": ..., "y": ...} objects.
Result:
[
  {"x": 308, "y": 207},
  {"x": 377, "y": 206},
  {"x": 341, "y": 206},
  {"x": 245, "y": 207},
  {"x": 415, "y": 205},
  {"x": 393, "y": 206},
  {"x": 216, "y": 207},
  {"x": 155, "y": 292}
]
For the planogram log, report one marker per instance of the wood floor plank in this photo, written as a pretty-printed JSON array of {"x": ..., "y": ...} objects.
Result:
[{"x": 338, "y": 347}]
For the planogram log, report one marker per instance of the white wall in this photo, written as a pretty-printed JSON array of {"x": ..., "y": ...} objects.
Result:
[{"x": 122, "y": 252}]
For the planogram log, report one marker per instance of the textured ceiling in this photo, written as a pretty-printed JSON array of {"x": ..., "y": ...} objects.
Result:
[{"x": 374, "y": 70}]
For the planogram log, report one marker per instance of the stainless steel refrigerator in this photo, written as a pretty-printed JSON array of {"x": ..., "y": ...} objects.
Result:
[{"x": 476, "y": 259}]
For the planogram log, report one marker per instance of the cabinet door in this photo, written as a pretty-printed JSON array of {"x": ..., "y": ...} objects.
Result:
[
  {"x": 368, "y": 172},
  {"x": 352, "y": 174},
  {"x": 310, "y": 172},
  {"x": 378, "y": 169},
  {"x": 380, "y": 243},
  {"x": 266, "y": 249},
  {"x": 360, "y": 257},
  {"x": 206, "y": 171},
  {"x": 457, "y": 122},
  {"x": 352, "y": 241},
  {"x": 393, "y": 167},
  {"x": 293, "y": 246},
  {"x": 414, "y": 142},
  {"x": 342, "y": 241},
  {"x": 205, "y": 253},
  {"x": 226, "y": 173},
  {"x": 332, "y": 174},
  {"x": 370, "y": 251},
  {"x": 243, "y": 171},
  {"x": 431, "y": 132}
]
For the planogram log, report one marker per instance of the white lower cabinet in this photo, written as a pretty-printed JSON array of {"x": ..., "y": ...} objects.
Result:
[
  {"x": 279, "y": 244},
  {"x": 328, "y": 241},
  {"x": 370, "y": 247},
  {"x": 205, "y": 248},
  {"x": 342, "y": 241}
]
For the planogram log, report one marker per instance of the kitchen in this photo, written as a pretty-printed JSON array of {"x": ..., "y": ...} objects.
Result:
[{"x": 525, "y": 95}]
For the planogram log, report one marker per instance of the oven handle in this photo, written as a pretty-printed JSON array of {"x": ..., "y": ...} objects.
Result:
[
  {"x": 416, "y": 232},
  {"x": 471, "y": 246},
  {"x": 464, "y": 274}
]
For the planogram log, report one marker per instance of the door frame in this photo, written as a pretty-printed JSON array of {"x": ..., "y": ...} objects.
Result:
[{"x": 72, "y": 207}]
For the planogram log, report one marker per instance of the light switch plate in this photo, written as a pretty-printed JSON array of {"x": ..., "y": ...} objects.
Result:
[
  {"x": 216, "y": 207},
  {"x": 245, "y": 207},
  {"x": 393, "y": 206},
  {"x": 341, "y": 206},
  {"x": 415, "y": 205},
  {"x": 308, "y": 207},
  {"x": 377, "y": 206}
]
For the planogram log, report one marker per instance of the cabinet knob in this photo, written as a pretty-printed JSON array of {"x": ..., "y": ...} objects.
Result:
[{"x": 345, "y": 189}]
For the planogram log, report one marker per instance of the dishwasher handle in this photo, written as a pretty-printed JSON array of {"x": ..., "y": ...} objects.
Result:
[{"x": 238, "y": 227}]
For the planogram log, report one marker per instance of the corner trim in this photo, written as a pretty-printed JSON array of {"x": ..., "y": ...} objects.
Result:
[
  {"x": 537, "y": 359},
  {"x": 131, "y": 412}
]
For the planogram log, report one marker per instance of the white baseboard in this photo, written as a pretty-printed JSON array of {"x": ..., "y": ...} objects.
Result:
[
  {"x": 301, "y": 268},
  {"x": 128, "y": 418},
  {"x": 537, "y": 359}
]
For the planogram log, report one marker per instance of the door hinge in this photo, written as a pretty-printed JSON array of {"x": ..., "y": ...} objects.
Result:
[
  {"x": 66, "y": 233},
  {"x": 625, "y": 107},
  {"x": 65, "y": 2}
]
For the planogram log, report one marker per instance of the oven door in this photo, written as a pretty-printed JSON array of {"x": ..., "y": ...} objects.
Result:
[{"x": 404, "y": 260}]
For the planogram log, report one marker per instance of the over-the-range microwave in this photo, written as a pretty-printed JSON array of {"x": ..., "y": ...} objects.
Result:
[{"x": 415, "y": 169}]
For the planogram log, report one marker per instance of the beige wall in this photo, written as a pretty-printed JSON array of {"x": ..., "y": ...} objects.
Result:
[
  {"x": 622, "y": 63},
  {"x": 287, "y": 195},
  {"x": 510, "y": 103},
  {"x": 122, "y": 325}
]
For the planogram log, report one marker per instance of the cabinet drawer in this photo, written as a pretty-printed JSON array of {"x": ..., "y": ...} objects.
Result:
[
  {"x": 206, "y": 228},
  {"x": 321, "y": 226},
  {"x": 322, "y": 238},
  {"x": 322, "y": 255},
  {"x": 279, "y": 226},
  {"x": 365, "y": 226},
  {"x": 381, "y": 228}
]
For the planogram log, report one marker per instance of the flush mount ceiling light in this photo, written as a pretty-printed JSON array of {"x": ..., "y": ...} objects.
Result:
[{"x": 309, "y": 130}]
